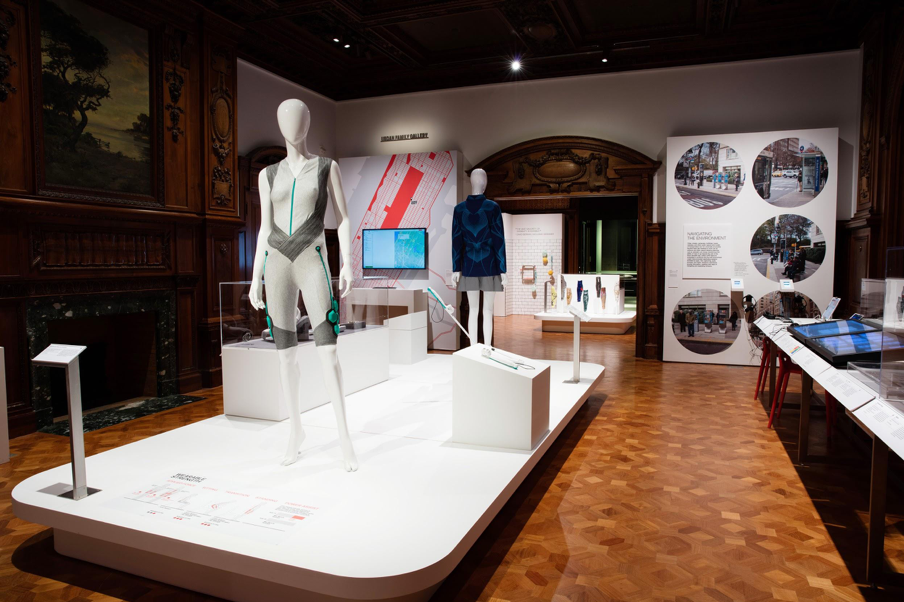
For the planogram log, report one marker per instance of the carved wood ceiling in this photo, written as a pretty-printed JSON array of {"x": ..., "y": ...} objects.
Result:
[{"x": 396, "y": 46}]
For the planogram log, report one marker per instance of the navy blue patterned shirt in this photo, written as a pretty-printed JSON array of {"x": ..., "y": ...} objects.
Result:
[{"x": 478, "y": 238}]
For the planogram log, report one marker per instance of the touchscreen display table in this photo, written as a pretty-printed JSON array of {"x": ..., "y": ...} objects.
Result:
[
  {"x": 830, "y": 329},
  {"x": 858, "y": 347}
]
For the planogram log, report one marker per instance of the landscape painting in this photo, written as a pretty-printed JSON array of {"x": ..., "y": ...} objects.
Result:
[{"x": 96, "y": 100}]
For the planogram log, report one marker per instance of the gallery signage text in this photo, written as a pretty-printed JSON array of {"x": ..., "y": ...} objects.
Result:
[{"x": 398, "y": 137}]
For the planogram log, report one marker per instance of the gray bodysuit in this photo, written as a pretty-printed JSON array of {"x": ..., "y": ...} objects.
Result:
[{"x": 293, "y": 263}]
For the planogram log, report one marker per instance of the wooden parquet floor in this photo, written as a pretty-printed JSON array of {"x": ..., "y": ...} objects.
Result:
[{"x": 666, "y": 486}]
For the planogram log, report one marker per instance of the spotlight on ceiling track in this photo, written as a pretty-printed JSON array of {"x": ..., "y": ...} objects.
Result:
[
  {"x": 348, "y": 45},
  {"x": 336, "y": 40},
  {"x": 605, "y": 60},
  {"x": 516, "y": 65}
]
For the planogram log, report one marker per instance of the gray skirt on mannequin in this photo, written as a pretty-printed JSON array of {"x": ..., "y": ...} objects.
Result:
[{"x": 480, "y": 283}]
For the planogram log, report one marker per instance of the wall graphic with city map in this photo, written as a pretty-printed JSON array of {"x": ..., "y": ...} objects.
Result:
[
  {"x": 788, "y": 246},
  {"x": 790, "y": 172},
  {"x": 710, "y": 175},
  {"x": 411, "y": 190},
  {"x": 705, "y": 321}
]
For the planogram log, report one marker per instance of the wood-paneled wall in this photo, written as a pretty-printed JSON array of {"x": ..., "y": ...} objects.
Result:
[
  {"x": 878, "y": 221},
  {"x": 185, "y": 239}
]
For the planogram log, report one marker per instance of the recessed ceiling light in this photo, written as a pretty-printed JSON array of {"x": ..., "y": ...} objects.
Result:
[
  {"x": 348, "y": 45},
  {"x": 336, "y": 40},
  {"x": 516, "y": 65},
  {"x": 605, "y": 60}
]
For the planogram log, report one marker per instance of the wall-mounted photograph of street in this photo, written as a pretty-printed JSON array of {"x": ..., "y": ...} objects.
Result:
[
  {"x": 790, "y": 172},
  {"x": 788, "y": 246},
  {"x": 709, "y": 175},
  {"x": 705, "y": 321},
  {"x": 794, "y": 305}
]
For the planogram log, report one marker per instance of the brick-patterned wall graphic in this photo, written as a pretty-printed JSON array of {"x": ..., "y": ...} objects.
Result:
[{"x": 533, "y": 234}]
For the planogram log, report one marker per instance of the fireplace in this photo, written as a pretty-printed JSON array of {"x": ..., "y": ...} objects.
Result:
[{"x": 130, "y": 339}]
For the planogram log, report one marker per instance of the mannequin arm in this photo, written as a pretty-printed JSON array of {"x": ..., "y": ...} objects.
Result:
[
  {"x": 344, "y": 230},
  {"x": 262, "y": 236}
]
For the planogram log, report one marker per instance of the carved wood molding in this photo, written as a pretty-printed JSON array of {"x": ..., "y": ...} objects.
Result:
[
  {"x": 7, "y": 22},
  {"x": 86, "y": 286},
  {"x": 565, "y": 165},
  {"x": 221, "y": 107},
  {"x": 91, "y": 249}
]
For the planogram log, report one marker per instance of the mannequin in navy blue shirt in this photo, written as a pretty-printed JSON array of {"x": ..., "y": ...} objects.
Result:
[{"x": 478, "y": 253}]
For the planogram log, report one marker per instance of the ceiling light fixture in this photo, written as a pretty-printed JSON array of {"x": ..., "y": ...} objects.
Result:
[
  {"x": 605, "y": 60},
  {"x": 516, "y": 65},
  {"x": 336, "y": 40},
  {"x": 348, "y": 45}
]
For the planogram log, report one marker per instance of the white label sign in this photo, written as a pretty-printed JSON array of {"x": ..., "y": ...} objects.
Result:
[
  {"x": 197, "y": 502},
  {"x": 845, "y": 389},
  {"x": 707, "y": 253},
  {"x": 58, "y": 355},
  {"x": 886, "y": 422},
  {"x": 786, "y": 285}
]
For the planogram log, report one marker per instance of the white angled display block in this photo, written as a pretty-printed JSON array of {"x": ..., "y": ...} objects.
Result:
[
  {"x": 407, "y": 338},
  {"x": 497, "y": 406},
  {"x": 251, "y": 387},
  {"x": 4, "y": 426}
]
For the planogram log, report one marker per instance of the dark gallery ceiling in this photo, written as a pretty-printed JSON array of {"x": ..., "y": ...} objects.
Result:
[{"x": 358, "y": 48}]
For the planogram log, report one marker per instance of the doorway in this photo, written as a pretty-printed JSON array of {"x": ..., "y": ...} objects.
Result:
[
  {"x": 590, "y": 180},
  {"x": 608, "y": 241}
]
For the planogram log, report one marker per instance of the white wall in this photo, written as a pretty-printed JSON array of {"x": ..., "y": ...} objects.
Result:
[
  {"x": 259, "y": 94},
  {"x": 638, "y": 109}
]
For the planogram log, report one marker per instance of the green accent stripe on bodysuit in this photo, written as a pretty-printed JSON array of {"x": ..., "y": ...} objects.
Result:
[{"x": 292, "y": 206}]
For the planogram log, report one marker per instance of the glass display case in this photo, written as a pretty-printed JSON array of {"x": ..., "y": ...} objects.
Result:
[
  {"x": 241, "y": 323},
  {"x": 872, "y": 298},
  {"x": 892, "y": 365}
]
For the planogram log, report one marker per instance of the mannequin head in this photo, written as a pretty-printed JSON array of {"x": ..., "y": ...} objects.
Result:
[
  {"x": 294, "y": 120},
  {"x": 478, "y": 181}
]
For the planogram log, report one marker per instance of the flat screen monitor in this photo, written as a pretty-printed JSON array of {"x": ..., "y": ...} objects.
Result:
[
  {"x": 827, "y": 329},
  {"x": 395, "y": 249}
]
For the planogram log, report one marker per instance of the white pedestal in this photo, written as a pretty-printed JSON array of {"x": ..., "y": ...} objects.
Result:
[
  {"x": 597, "y": 324},
  {"x": 407, "y": 338},
  {"x": 251, "y": 373},
  {"x": 496, "y": 406},
  {"x": 4, "y": 425}
]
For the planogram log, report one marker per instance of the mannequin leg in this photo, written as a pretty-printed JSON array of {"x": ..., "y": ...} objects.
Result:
[
  {"x": 332, "y": 378},
  {"x": 488, "y": 307},
  {"x": 473, "y": 312},
  {"x": 289, "y": 377}
]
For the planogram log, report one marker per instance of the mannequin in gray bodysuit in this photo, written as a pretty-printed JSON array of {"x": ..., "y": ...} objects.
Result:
[{"x": 291, "y": 250}]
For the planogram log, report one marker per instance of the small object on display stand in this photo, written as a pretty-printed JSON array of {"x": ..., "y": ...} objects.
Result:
[
  {"x": 568, "y": 295},
  {"x": 586, "y": 299},
  {"x": 599, "y": 285},
  {"x": 554, "y": 297},
  {"x": 580, "y": 290},
  {"x": 603, "y": 298}
]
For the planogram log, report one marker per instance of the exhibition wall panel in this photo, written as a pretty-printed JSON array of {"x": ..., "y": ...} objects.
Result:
[
  {"x": 416, "y": 190},
  {"x": 533, "y": 234},
  {"x": 637, "y": 109},
  {"x": 759, "y": 207}
]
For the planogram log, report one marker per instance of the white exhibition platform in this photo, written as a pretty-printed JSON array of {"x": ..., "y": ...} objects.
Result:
[
  {"x": 597, "y": 324},
  {"x": 208, "y": 506}
]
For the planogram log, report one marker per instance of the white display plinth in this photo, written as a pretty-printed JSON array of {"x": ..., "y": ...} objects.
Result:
[
  {"x": 497, "y": 406},
  {"x": 4, "y": 425},
  {"x": 597, "y": 324},
  {"x": 407, "y": 338},
  {"x": 367, "y": 541},
  {"x": 251, "y": 385}
]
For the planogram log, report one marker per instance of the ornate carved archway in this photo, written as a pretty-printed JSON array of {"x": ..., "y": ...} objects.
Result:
[{"x": 554, "y": 173}]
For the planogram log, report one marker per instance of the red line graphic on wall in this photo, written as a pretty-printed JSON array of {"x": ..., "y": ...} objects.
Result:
[{"x": 404, "y": 198}]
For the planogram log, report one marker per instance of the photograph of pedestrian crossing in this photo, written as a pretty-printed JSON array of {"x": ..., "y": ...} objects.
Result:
[
  {"x": 705, "y": 321},
  {"x": 788, "y": 246},
  {"x": 709, "y": 175},
  {"x": 790, "y": 172}
]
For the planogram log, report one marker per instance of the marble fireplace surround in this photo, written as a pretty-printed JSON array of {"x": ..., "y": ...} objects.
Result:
[{"x": 70, "y": 307}]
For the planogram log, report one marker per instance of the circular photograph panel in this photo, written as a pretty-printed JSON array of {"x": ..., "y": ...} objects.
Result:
[
  {"x": 709, "y": 175},
  {"x": 797, "y": 305},
  {"x": 788, "y": 246},
  {"x": 705, "y": 321},
  {"x": 790, "y": 172}
]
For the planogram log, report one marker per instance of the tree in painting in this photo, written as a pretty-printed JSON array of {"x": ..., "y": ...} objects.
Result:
[{"x": 89, "y": 92}]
